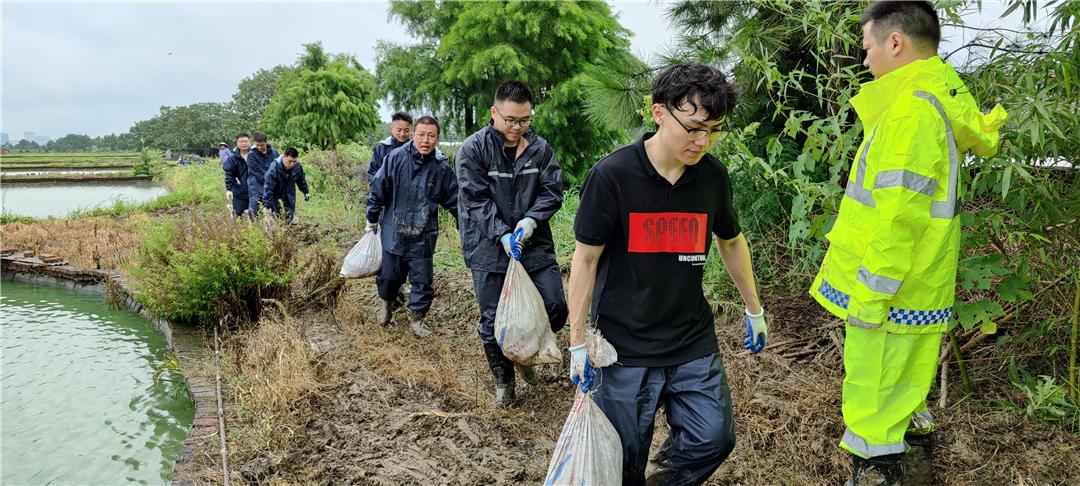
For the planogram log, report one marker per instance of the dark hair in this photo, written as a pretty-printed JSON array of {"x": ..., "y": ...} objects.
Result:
[
  {"x": 259, "y": 136},
  {"x": 514, "y": 90},
  {"x": 429, "y": 120},
  {"x": 401, "y": 115},
  {"x": 291, "y": 152},
  {"x": 242, "y": 135},
  {"x": 703, "y": 87},
  {"x": 918, "y": 20}
]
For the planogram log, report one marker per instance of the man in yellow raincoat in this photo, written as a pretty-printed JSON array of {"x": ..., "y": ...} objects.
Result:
[{"x": 890, "y": 271}]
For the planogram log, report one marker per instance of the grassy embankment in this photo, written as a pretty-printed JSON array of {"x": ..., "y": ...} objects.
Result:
[{"x": 317, "y": 393}]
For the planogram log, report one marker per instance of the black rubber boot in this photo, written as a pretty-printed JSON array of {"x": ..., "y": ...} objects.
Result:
[
  {"x": 528, "y": 373},
  {"x": 503, "y": 371},
  {"x": 385, "y": 313},
  {"x": 884, "y": 470},
  {"x": 919, "y": 460}
]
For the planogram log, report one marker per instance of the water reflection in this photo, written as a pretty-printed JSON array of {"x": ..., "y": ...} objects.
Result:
[
  {"x": 79, "y": 401},
  {"x": 42, "y": 200}
]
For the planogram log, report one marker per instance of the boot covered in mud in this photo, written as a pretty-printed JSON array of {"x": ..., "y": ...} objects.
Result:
[
  {"x": 884, "y": 470},
  {"x": 528, "y": 373},
  {"x": 919, "y": 460},
  {"x": 385, "y": 314},
  {"x": 418, "y": 324},
  {"x": 503, "y": 371}
]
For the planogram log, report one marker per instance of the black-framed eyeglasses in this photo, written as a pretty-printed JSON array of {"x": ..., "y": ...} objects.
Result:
[
  {"x": 514, "y": 122},
  {"x": 695, "y": 134}
]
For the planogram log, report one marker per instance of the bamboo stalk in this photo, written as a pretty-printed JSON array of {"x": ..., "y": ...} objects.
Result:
[
  {"x": 220, "y": 409},
  {"x": 1072, "y": 350},
  {"x": 965, "y": 380}
]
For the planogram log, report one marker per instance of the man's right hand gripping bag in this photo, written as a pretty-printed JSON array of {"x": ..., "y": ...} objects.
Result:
[
  {"x": 521, "y": 323},
  {"x": 365, "y": 259},
  {"x": 588, "y": 451}
]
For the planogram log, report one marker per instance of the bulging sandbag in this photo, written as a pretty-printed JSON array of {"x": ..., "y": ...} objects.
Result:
[
  {"x": 588, "y": 451},
  {"x": 365, "y": 258},
  {"x": 521, "y": 323}
]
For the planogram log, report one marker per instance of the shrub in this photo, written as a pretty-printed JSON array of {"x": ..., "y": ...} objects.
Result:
[{"x": 201, "y": 269}]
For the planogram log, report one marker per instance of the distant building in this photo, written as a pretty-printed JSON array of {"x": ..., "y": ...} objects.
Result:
[
  {"x": 29, "y": 136},
  {"x": 4, "y": 138},
  {"x": 42, "y": 139}
]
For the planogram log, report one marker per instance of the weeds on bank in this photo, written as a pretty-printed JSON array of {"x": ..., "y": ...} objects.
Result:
[{"x": 200, "y": 268}]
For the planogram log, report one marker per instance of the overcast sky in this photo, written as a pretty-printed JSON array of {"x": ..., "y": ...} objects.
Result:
[{"x": 96, "y": 68}]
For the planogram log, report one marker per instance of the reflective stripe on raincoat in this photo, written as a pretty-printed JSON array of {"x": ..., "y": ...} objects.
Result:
[{"x": 892, "y": 258}]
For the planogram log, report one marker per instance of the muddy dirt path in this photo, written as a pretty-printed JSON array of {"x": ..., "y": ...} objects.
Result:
[{"x": 412, "y": 411}]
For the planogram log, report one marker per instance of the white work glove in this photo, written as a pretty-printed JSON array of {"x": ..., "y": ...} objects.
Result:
[
  {"x": 756, "y": 331},
  {"x": 578, "y": 355},
  {"x": 372, "y": 227},
  {"x": 228, "y": 194},
  {"x": 307, "y": 196},
  {"x": 527, "y": 226},
  {"x": 511, "y": 243}
]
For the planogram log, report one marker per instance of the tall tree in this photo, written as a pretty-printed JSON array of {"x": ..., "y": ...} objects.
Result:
[
  {"x": 254, "y": 93},
  {"x": 194, "y": 127},
  {"x": 468, "y": 48},
  {"x": 326, "y": 101}
]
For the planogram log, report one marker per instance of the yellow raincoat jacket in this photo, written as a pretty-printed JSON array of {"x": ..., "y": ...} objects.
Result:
[{"x": 891, "y": 263}]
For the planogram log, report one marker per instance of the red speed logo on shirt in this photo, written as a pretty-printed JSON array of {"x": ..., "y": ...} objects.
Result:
[{"x": 667, "y": 232}]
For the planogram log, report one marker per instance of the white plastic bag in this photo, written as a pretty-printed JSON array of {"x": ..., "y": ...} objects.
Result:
[
  {"x": 365, "y": 259},
  {"x": 521, "y": 323},
  {"x": 588, "y": 450}
]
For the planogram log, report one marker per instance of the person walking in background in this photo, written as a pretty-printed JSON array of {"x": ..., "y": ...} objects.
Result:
[
  {"x": 235, "y": 167},
  {"x": 400, "y": 130},
  {"x": 281, "y": 181},
  {"x": 258, "y": 162}
]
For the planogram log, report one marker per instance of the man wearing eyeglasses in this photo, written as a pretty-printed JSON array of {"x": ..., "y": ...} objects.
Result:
[
  {"x": 647, "y": 214},
  {"x": 510, "y": 186}
]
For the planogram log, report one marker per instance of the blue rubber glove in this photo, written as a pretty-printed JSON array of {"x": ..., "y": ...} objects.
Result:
[
  {"x": 512, "y": 243},
  {"x": 756, "y": 331},
  {"x": 582, "y": 373}
]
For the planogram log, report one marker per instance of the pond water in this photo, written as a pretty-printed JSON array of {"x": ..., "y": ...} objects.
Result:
[
  {"x": 87, "y": 395},
  {"x": 42, "y": 200}
]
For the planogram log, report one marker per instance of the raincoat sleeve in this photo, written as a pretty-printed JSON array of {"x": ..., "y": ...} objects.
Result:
[
  {"x": 380, "y": 190},
  {"x": 375, "y": 163},
  {"x": 301, "y": 180},
  {"x": 550, "y": 197},
  {"x": 475, "y": 194},
  {"x": 269, "y": 183},
  {"x": 449, "y": 192},
  {"x": 231, "y": 175},
  {"x": 910, "y": 157}
]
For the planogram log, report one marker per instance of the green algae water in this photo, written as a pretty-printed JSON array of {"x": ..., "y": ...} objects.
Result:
[{"x": 87, "y": 394}]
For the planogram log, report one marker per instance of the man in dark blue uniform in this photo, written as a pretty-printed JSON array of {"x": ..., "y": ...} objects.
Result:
[
  {"x": 258, "y": 162},
  {"x": 282, "y": 179},
  {"x": 235, "y": 168},
  {"x": 408, "y": 189},
  {"x": 400, "y": 130}
]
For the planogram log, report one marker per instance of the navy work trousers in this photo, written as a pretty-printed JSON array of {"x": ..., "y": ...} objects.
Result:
[
  {"x": 697, "y": 401},
  {"x": 240, "y": 204},
  {"x": 395, "y": 269},
  {"x": 548, "y": 281}
]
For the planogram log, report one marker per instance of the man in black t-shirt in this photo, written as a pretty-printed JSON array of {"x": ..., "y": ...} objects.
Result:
[{"x": 647, "y": 215}]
